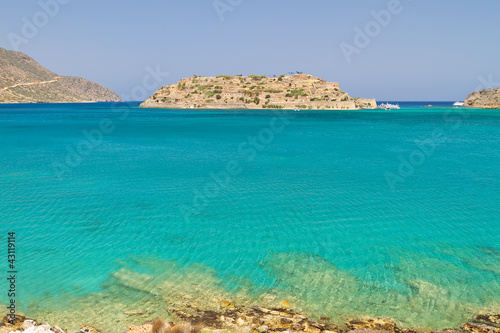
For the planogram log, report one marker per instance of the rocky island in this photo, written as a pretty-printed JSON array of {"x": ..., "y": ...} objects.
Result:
[
  {"x": 23, "y": 80},
  {"x": 486, "y": 98},
  {"x": 255, "y": 92}
]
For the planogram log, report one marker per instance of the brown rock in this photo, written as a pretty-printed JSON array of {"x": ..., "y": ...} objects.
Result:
[
  {"x": 88, "y": 329},
  {"x": 285, "y": 304},
  {"x": 16, "y": 321},
  {"x": 227, "y": 304},
  {"x": 367, "y": 331},
  {"x": 378, "y": 324},
  {"x": 479, "y": 328},
  {"x": 296, "y": 327},
  {"x": 146, "y": 328},
  {"x": 57, "y": 329},
  {"x": 491, "y": 319}
]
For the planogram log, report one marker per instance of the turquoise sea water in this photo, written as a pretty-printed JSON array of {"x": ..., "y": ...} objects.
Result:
[{"x": 341, "y": 213}]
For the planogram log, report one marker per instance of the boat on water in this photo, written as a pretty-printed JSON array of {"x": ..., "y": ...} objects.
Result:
[
  {"x": 296, "y": 109},
  {"x": 458, "y": 104},
  {"x": 388, "y": 106},
  {"x": 368, "y": 108}
]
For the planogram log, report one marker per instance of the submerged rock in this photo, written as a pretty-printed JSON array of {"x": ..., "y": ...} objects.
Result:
[
  {"x": 491, "y": 319},
  {"x": 88, "y": 329},
  {"x": 146, "y": 328}
]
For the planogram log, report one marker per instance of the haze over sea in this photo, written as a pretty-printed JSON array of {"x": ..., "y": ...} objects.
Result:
[{"x": 342, "y": 213}]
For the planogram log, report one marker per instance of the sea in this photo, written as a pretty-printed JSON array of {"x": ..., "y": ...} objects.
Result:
[{"x": 121, "y": 214}]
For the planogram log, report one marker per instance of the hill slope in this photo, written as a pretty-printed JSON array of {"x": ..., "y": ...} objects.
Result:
[
  {"x": 255, "y": 92},
  {"x": 487, "y": 98},
  {"x": 24, "y": 80}
]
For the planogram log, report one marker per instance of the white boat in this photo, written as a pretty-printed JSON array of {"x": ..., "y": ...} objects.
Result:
[
  {"x": 368, "y": 108},
  {"x": 388, "y": 106},
  {"x": 296, "y": 109},
  {"x": 458, "y": 104}
]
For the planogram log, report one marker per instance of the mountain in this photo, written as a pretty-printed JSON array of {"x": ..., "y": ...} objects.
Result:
[
  {"x": 487, "y": 98},
  {"x": 255, "y": 92},
  {"x": 23, "y": 80}
]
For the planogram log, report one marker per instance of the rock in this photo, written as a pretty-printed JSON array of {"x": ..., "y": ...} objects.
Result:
[
  {"x": 479, "y": 328},
  {"x": 57, "y": 329},
  {"x": 39, "y": 329},
  {"x": 227, "y": 304},
  {"x": 27, "y": 324},
  {"x": 88, "y": 329},
  {"x": 17, "y": 321},
  {"x": 146, "y": 328},
  {"x": 263, "y": 328},
  {"x": 285, "y": 304},
  {"x": 377, "y": 324},
  {"x": 367, "y": 331},
  {"x": 491, "y": 319}
]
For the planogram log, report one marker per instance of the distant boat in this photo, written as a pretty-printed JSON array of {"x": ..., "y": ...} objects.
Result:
[
  {"x": 296, "y": 109},
  {"x": 368, "y": 108},
  {"x": 388, "y": 106},
  {"x": 458, "y": 104}
]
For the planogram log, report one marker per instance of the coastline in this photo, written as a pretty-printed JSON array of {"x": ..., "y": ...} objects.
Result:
[{"x": 232, "y": 318}]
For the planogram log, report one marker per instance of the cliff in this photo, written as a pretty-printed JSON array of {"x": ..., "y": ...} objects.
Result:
[
  {"x": 255, "y": 92},
  {"x": 23, "y": 80},
  {"x": 487, "y": 98}
]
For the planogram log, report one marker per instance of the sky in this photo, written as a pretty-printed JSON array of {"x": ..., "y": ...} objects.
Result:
[{"x": 396, "y": 50}]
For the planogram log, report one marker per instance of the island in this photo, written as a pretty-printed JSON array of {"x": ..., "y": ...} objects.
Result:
[
  {"x": 256, "y": 92},
  {"x": 23, "y": 80},
  {"x": 486, "y": 98}
]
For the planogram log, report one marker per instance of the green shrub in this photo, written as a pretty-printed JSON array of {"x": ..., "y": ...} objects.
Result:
[{"x": 272, "y": 106}]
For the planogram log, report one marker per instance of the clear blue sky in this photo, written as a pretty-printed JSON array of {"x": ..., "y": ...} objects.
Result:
[{"x": 430, "y": 50}]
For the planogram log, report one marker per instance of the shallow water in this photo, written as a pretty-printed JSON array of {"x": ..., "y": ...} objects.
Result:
[{"x": 341, "y": 213}]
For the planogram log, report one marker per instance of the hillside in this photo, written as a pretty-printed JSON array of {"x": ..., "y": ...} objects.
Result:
[
  {"x": 487, "y": 98},
  {"x": 255, "y": 92},
  {"x": 23, "y": 80}
]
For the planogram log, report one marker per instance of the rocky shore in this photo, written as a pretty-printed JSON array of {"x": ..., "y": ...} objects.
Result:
[
  {"x": 232, "y": 318},
  {"x": 255, "y": 92},
  {"x": 487, "y": 99}
]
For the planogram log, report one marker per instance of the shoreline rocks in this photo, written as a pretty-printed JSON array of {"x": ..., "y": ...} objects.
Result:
[{"x": 256, "y": 319}]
